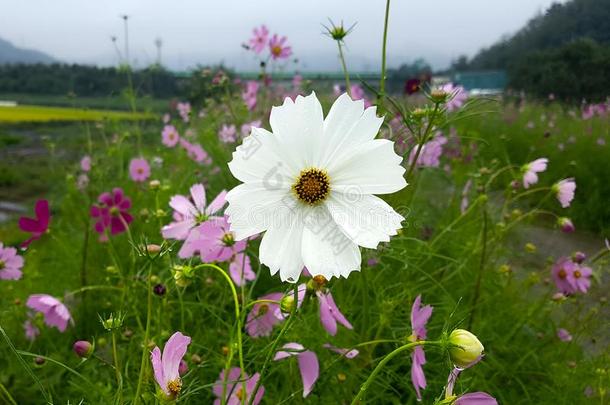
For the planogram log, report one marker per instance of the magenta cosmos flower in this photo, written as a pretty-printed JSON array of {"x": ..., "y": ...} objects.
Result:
[
  {"x": 419, "y": 319},
  {"x": 10, "y": 263},
  {"x": 139, "y": 170},
  {"x": 258, "y": 42},
  {"x": 458, "y": 96},
  {"x": 227, "y": 133},
  {"x": 111, "y": 212},
  {"x": 55, "y": 312},
  {"x": 278, "y": 48},
  {"x": 189, "y": 214},
  {"x": 213, "y": 241},
  {"x": 235, "y": 388},
  {"x": 36, "y": 226},
  {"x": 330, "y": 313},
  {"x": 564, "y": 190},
  {"x": 476, "y": 398},
  {"x": 264, "y": 316},
  {"x": 571, "y": 277},
  {"x": 308, "y": 364},
  {"x": 531, "y": 170},
  {"x": 430, "y": 153},
  {"x": 170, "y": 136},
  {"x": 166, "y": 365},
  {"x": 564, "y": 335}
]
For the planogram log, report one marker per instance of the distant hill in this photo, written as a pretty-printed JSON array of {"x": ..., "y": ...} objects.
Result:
[
  {"x": 9, "y": 53},
  {"x": 560, "y": 24}
]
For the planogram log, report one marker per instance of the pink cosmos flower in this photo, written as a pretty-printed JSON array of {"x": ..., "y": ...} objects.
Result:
[
  {"x": 476, "y": 398},
  {"x": 357, "y": 93},
  {"x": 227, "y": 133},
  {"x": 240, "y": 269},
  {"x": 564, "y": 335},
  {"x": 112, "y": 212},
  {"x": 213, "y": 240},
  {"x": 170, "y": 136},
  {"x": 258, "y": 42},
  {"x": 458, "y": 96},
  {"x": 55, "y": 312},
  {"x": 31, "y": 331},
  {"x": 430, "y": 153},
  {"x": 188, "y": 215},
  {"x": 196, "y": 152},
  {"x": 139, "y": 170},
  {"x": 166, "y": 118},
  {"x": 560, "y": 273},
  {"x": 249, "y": 95},
  {"x": 347, "y": 353},
  {"x": 330, "y": 313},
  {"x": 531, "y": 170},
  {"x": 85, "y": 163},
  {"x": 564, "y": 190},
  {"x": 308, "y": 364},
  {"x": 184, "y": 109},
  {"x": 278, "y": 48},
  {"x": 10, "y": 263},
  {"x": 264, "y": 316},
  {"x": 580, "y": 278},
  {"x": 235, "y": 386},
  {"x": 36, "y": 226},
  {"x": 419, "y": 319},
  {"x": 166, "y": 365},
  {"x": 247, "y": 127}
]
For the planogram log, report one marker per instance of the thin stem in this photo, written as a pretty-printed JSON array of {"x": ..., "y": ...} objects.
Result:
[
  {"x": 348, "y": 87},
  {"x": 7, "y": 396},
  {"x": 143, "y": 363},
  {"x": 275, "y": 343},
  {"x": 381, "y": 95},
  {"x": 385, "y": 361},
  {"x": 117, "y": 369},
  {"x": 424, "y": 139},
  {"x": 239, "y": 327},
  {"x": 477, "y": 287}
]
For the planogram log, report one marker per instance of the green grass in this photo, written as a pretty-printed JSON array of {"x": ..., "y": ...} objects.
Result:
[{"x": 37, "y": 114}]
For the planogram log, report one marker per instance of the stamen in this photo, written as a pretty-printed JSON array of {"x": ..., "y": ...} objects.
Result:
[{"x": 312, "y": 186}]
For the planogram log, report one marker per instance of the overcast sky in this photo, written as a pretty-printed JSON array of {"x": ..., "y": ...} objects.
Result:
[{"x": 206, "y": 31}]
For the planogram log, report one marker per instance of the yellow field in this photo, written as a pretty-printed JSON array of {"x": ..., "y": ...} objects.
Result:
[{"x": 30, "y": 113}]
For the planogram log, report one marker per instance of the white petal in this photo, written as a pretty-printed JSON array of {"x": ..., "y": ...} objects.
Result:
[
  {"x": 347, "y": 126},
  {"x": 299, "y": 125},
  {"x": 261, "y": 158},
  {"x": 255, "y": 207},
  {"x": 281, "y": 249},
  {"x": 371, "y": 168},
  {"x": 326, "y": 250},
  {"x": 365, "y": 219}
]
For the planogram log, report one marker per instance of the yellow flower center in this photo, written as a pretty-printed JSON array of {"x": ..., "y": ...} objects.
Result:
[
  {"x": 577, "y": 274},
  {"x": 228, "y": 239},
  {"x": 276, "y": 50},
  {"x": 174, "y": 387},
  {"x": 2, "y": 265},
  {"x": 312, "y": 186},
  {"x": 240, "y": 394},
  {"x": 263, "y": 309}
]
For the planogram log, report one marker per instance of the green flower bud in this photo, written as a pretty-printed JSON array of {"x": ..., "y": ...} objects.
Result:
[
  {"x": 466, "y": 348},
  {"x": 287, "y": 303}
]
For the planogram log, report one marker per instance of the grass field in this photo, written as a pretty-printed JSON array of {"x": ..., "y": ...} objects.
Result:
[{"x": 45, "y": 114}]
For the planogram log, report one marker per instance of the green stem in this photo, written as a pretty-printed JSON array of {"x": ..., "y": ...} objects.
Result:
[
  {"x": 477, "y": 287},
  {"x": 143, "y": 363},
  {"x": 275, "y": 343},
  {"x": 348, "y": 87},
  {"x": 381, "y": 95},
  {"x": 385, "y": 361},
  {"x": 423, "y": 140},
  {"x": 239, "y": 328},
  {"x": 7, "y": 396},
  {"x": 117, "y": 368}
]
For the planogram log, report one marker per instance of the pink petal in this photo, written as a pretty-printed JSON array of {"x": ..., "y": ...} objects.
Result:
[
  {"x": 181, "y": 204},
  {"x": 217, "y": 204},
  {"x": 198, "y": 194},
  {"x": 155, "y": 359},
  {"x": 328, "y": 320},
  {"x": 310, "y": 370},
  {"x": 476, "y": 398},
  {"x": 336, "y": 312},
  {"x": 177, "y": 230},
  {"x": 173, "y": 352}
]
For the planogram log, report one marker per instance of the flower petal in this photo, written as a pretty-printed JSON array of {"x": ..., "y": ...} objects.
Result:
[
  {"x": 173, "y": 352},
  {"x": 310, "y": 370},
  {"x": 217, "y": 204},
  {"x": 198, "y": 194},
  {"x": 155, "y": 359},
  {"x": 281, "y": 248}
]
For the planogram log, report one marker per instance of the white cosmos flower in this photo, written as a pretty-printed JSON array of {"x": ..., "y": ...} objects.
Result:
[{"x": 310, "y": 186}]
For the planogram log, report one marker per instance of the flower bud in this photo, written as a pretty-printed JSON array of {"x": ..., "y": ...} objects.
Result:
[
  {"x": 83, "y": 348},
  {"x": 287, "y": 303},
  {"x": 153, "y": 248},
  {"x": 183, "y": 368},
  {"x": 439, "y": 96},
  {"x": 159, "y": 290},
  {"x": 196, "y": 359},
  {"x": 566, "y": 225},
  {"x": 578, "y": 257},
  {"x": 154, "y": 184},
  {"x": 466, "y": 348},
  {"x": 530, "y": 247}
]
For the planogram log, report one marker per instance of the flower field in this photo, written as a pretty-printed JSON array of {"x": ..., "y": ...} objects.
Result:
[{"x": 278, "y": 243}]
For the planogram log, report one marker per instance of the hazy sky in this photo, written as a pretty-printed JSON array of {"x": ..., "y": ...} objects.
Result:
[{"x": 204, "y": 31}]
